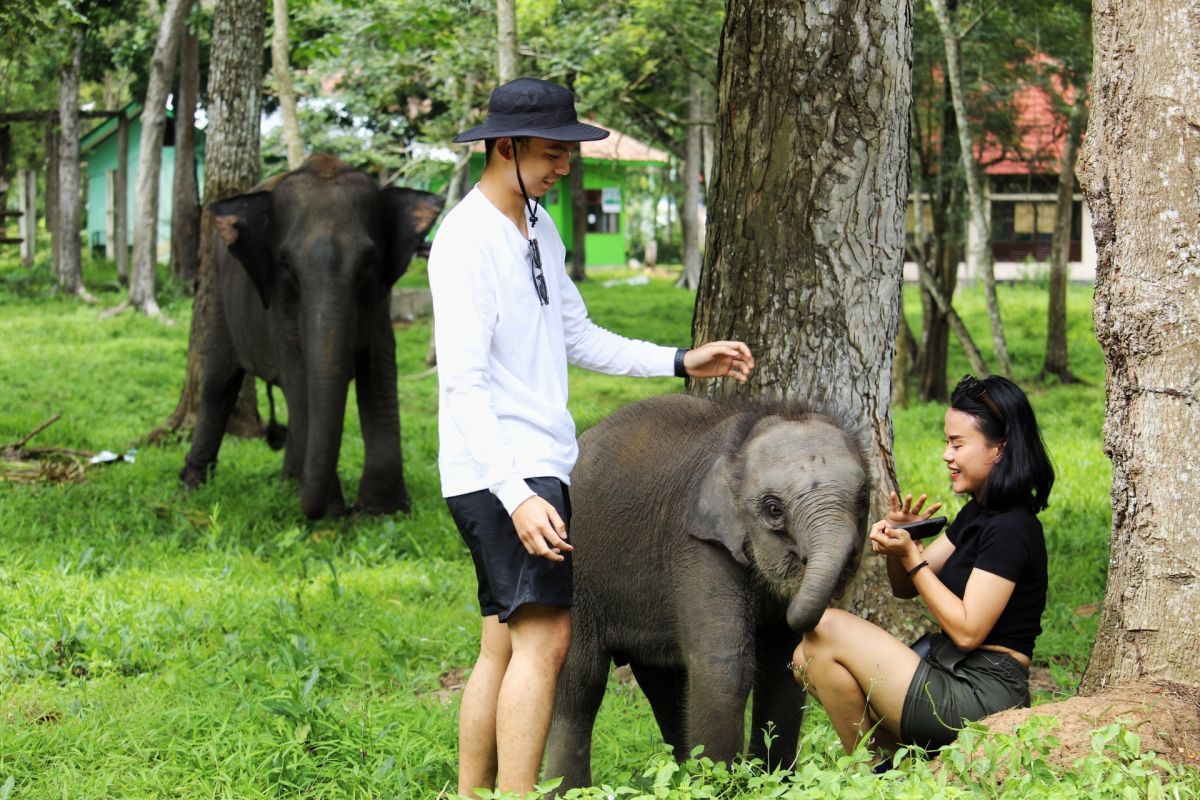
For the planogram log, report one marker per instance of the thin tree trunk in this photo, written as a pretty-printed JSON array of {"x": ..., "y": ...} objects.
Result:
[
  {"x": 231, "y": 167},
  {"x": 29, "y": 216},
  {"x": 506, "y": 39},
  {"x": 1057, "y": 362},
  {"x": 979, "y": 246},
  {"x": 5, "y": 164},
  {"x": 121, "y": 201},
  {"x": 185, "y": 207},
  {"x": 578, "y": 218},
  {"x": 154, "y": 122},
  {"x": 282, "y": 73},
  {"x": 805, "y": 254},
  {"x": 67, "y": 249},
  {"x": 689, "y": 214},
  {"x": 52, "y": 199},
  {"x": 1145, "y": 103}
]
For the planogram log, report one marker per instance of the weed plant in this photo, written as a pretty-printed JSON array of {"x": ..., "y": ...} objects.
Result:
[{"x": 217, "y": 644}]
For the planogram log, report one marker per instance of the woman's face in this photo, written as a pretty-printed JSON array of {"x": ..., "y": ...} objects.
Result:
[{"x": 968, "y": 455}]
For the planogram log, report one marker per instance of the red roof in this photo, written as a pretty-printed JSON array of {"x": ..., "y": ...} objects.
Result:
[{"x": 1042, "y": 133}]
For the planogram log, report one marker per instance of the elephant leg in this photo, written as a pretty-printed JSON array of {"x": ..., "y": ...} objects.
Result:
[
  {"x": 577, "y": 700},
  {"x": 664, "y": 688},
  {"x": 381, "y": 489},
  {"x": 220, "y": 384},
  {"x": 295, "y": 393},
  {"x": 717, "y": 688},
  {"x": 778, "y": 700}
]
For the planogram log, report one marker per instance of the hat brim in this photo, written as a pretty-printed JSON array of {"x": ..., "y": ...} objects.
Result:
[{"x": 575, "y": 132}]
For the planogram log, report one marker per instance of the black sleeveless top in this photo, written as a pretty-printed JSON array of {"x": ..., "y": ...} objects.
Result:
[{"x": 1008, "y": 543}]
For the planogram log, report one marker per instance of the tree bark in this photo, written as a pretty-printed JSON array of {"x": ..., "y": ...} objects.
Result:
[
  {"x": 121, "y": 202},
  {"x": 67, "y": 251},
  {"x": 29, "y": 216},
  {"x": 1057, "y": 361},
  {"x": 282, "y": 73},
  {"x": 506, "y": 39},
  {"x": 1139, "y": 176},
  {"x": 979, "y": 246},
  {"x": 689, "y": 214},
  {"x": 154, "y": 123},
  {"x": 578, "y": 218},
  {"x": 805, "y": 251},
  {"x": 231, "y": 167},
  {"x": 52, "y": 199},
  {"x": 185, "y": 207}
]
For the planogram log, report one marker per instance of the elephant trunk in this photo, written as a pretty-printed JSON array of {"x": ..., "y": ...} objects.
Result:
[
  {"x": 834, "y": 549},
  {"x": 327, "y": 336}
]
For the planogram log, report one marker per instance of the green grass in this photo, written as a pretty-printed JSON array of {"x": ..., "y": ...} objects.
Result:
[{"x": 217, "y": 644}]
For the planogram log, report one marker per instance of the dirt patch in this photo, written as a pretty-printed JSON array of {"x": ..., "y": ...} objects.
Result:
[{"x": 1166, "y": 718}]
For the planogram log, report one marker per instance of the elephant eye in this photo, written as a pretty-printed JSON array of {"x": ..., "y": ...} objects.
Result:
[{"x": 772, "y": 509}]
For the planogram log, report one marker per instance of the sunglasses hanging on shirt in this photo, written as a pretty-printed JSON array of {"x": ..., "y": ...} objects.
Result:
[{"x": 535, "y": 256}]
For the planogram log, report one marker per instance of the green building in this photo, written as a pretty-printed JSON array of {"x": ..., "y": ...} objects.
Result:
[
  {"x": 610, "y": 167},
  {"x": 98, "y": 148}
]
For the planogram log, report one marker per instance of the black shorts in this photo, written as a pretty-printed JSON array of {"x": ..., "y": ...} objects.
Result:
[
  {"x": 951, "y": 688},
  {"x": 509, "y": 577}
]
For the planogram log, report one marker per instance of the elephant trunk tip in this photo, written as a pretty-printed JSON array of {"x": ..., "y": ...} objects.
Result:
[{"x": 803, "y": 620}]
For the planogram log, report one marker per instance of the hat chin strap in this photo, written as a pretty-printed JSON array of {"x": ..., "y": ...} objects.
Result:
[{"x": 530, "y": 206}]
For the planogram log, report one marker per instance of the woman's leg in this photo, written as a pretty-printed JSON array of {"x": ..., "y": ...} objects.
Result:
[{"x": 860, "y": 673}]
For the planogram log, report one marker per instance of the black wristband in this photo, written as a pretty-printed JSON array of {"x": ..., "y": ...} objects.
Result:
[
  {"x": 917, "y": 568},
  {"x": 680, "y": 369}
]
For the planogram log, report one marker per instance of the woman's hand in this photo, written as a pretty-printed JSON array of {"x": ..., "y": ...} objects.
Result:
[
  {"x": 908, "y": 510},
  {"x": 890, "y": 541}
]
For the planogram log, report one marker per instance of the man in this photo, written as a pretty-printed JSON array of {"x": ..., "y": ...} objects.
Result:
[{"x": 508, "y": 320}]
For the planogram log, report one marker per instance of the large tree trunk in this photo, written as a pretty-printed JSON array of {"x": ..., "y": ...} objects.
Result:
[
  {"x": 578, "y": 217},
  {"x": 67, "y": 251},
  {"x": 52, "y": 199},
  {"x": 1138, "y": 172},
  {"x": 154, "y": 123},
  {"x": 1057, "y": 362},
  {"x": 121, "y": 201},
  {"x": 979, "y": 245},
  {"x": 231, "y": 167},
  {"x": 805, "y": 253},
  {"x": 185, "y": 207},
  {"x": 282, "y": 73},
  {"x": 506, "y": 39},
  {"x": 689, "y": 214}
]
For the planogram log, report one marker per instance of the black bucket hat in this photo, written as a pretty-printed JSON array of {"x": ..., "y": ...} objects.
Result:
[{"x": 532, "y": 107}]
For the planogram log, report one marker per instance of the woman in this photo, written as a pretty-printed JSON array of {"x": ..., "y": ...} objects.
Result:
[{"x": 984, "y": 581}]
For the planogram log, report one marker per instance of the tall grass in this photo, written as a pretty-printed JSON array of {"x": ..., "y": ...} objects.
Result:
[{"x": 216, "y": 644}]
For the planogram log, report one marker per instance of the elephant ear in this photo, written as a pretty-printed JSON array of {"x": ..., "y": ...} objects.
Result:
[
  {"x": 408, "y": 214},
  {"x": 244, "y": 224},
  {"x": 717, "y": 518}
]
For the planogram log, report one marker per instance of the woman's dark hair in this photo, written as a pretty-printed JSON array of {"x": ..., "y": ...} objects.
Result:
[{"x": 1024, "y": 475}]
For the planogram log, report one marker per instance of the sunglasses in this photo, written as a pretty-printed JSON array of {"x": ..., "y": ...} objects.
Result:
[
  {"x": 975, "y": 390},
  {"x": 539, "y": 277}
]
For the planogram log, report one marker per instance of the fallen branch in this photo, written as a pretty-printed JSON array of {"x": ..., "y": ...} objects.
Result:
[{"x": 17, "y": 445}]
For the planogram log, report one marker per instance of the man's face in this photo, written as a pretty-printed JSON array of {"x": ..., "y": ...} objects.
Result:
[{"x": 542, "y": 163}]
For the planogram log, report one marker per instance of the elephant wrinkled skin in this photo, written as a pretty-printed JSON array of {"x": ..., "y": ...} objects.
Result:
[
  {"x": 303, "y": 268},
  {"x": 708, "y": 537}
]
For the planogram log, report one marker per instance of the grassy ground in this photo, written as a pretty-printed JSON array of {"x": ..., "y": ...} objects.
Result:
[{"x": 216, "y": 644}]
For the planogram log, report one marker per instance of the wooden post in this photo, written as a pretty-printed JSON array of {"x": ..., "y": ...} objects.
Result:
[
  {"x": 28, "y": 227},
  {"x": 121, "y": 201}
]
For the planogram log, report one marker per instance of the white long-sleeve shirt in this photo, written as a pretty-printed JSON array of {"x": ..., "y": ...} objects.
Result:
[{"x": 502, "y": 355}]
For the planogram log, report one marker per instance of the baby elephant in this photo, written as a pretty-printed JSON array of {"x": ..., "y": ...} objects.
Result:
[
  {"x": 303, "y": 267},
  {"x": 708, "y": 536}
]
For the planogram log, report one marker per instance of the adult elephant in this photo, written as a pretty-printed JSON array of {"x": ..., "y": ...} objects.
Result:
[
  {"x": 708, "y": 536},
  {"x": 304, "y": 264}
]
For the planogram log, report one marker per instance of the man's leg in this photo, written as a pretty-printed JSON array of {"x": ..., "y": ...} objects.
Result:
[
  {"x": 540, "y": 636},
  {"x": 477, "y": 714}
]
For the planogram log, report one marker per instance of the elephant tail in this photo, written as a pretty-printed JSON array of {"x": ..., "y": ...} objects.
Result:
[{"x": 276, "y": 433}]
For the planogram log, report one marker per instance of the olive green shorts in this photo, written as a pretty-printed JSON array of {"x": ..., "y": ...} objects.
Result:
[{"x": 952, "y": 688}]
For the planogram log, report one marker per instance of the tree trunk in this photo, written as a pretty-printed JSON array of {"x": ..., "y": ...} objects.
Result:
[
  {"x": 689, "y": 214},
  {"x": 1056, "y": 362},
  {"x": 1137, "y": 172},
  {"x": 506, "y": 39},
  {"x": 121, "y": 201},
  {"x": 282, "y": 73},
  {"x": 67, "y": 253},
  {"x": 29, "y": 217},
  {"x": 154, "y": 123},
  {"x": 979, "y": 246},
  {"x": 805, "y": 253},
  {"x": 578, "y": 218},
  {"x": 52, "y": 199},
  {"x": 185, "y": 207},
  {"x": 5, "y": 166},
  {"x": 231, "y": 167}
]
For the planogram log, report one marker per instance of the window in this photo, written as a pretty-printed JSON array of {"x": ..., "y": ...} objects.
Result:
[{"x": 600, "y": 220}]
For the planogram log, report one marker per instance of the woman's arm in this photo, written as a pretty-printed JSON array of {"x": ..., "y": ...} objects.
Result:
[{"x": 967, "y": 621}]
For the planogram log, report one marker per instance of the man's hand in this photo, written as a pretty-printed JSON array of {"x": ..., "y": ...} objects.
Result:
[
  {"x": 718, "y": 359},
  {"x": 541, "y": 529}
]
